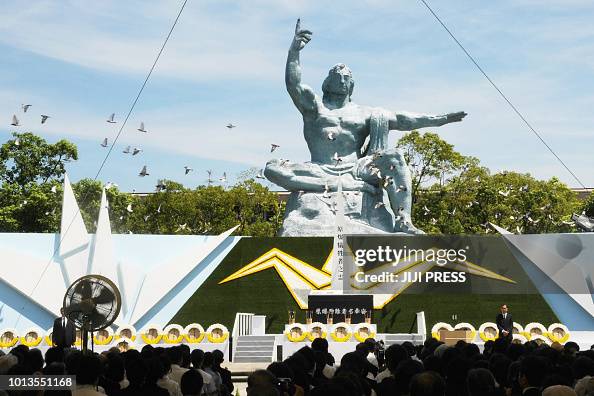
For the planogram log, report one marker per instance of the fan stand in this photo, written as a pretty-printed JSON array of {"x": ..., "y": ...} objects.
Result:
[{"x": 85, "y": 337}]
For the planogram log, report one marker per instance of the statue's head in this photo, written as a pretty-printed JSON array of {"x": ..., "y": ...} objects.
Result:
[{"x": 339, "y": 81}]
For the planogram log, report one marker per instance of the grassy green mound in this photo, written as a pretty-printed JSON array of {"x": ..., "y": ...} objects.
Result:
[{"x": 264, "y": 292}]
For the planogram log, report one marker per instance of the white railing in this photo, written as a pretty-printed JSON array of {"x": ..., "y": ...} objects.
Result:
[
  {"x": 421, "y": 325},
  {"x": 243, "y": 325}
]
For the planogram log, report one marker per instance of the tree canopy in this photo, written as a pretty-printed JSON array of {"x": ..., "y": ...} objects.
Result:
[
  {"x": 452, "y": 194},
  {"x": 458, "y": 196},
  {"x": 32, "y": 171}
]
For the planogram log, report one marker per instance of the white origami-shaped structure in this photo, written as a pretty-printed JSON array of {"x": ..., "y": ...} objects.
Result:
[{"x": 33, "y": 289}]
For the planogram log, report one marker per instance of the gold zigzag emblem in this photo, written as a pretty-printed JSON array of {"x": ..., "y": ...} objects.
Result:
[{"x": 300, "y": 278}]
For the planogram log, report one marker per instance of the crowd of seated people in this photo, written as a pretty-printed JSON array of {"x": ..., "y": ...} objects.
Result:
[
  {"x": 432, "y": 369},
  {"x": 153, "y": 371}
]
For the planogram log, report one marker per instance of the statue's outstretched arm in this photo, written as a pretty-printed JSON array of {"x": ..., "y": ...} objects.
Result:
[
  {"x": 302, "y": 95},
  {"x": 409, "y": 121}
]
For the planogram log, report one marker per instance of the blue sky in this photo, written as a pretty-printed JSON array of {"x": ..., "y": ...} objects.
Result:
[{"x": 80, "y": 61}]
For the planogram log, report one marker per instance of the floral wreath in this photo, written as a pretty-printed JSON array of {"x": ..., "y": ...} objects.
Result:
[
  {"x": 12, "y": 342},
  {"x": 311, "y": 334},
  {"x": 169, "y": 339},
  {"x": 189, "y": 338},
  {"x": 48, "y": 336},
  {"x": 34, "y": 342},
  {"x": 359, "y": 336},
  {"x": 440, "y": 326},
  {"x": 542, "y": 338},
  {"x": 105, "y": 341},
  {"x": 532, "y": 326},
  {"x": 126, "y": 341},
  {"x": 518, "y": 327},
  {"x": 338, "y": 338},
  {"x": 551, "y": 333},
  {"x": 482, "y": 331},
  {"x": 466, "y": 326},
  {"x": 217, "y": 340},
  {"x": 145, "y": 337},
  {"x": 302, "y": 335},
  {"x": 132, "y": 329},
  {"x": 519, "y": 337}
]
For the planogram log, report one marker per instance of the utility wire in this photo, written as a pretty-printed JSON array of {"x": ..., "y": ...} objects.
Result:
[
  {"x": 102, "y": 165},
  {"x": 514, "y": 108}
]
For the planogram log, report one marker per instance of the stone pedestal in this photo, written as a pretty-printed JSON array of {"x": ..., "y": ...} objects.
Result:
[{"x": 312, "y": 214}]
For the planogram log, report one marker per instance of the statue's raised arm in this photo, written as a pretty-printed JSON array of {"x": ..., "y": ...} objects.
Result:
[{"x": 302, "y": 95}]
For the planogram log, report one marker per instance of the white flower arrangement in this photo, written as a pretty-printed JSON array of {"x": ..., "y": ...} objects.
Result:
[
  {"x": 340, "y": 332},
  {"x": 558, "y": 332},
  {"x": 363, "y": 331},
  {"x": 488, "y": 331},
  {"x": 170, "y": 336},
  {"x": 217, "y": 333},
  {"x": 296, "y": 332},
  {"x": 190, "y": 333},
  {"x": 437, "y": 327},
  {"x": 103, "y": 340},
  {"x": 151, "y": 334},
  {"x": 534, "y": 329},
  {"x": 313, "y": 332},
  {"x": 8, "y": 338},
  {"x": 126, "y": 329},
  {"x": 32, "y": 337}
]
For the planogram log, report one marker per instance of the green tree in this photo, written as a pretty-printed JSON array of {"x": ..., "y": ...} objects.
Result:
[
  {"x": 514, "y": 201},
  {"x": 31, "y": 171},
  {"x": 208, "y": 210},
  {"x": 32, "y": 208},
  {"x": 88, "y": 195},
  {"x": 28, "y": 159},
  {"x": 431, "y": 159}
]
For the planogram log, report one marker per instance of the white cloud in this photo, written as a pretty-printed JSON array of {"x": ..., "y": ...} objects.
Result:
[
  {"x": 109, "y": 37},
  {"x": 403, "y": 62}
]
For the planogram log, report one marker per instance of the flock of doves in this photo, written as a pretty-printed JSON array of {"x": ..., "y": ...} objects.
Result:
[
  {"x": 129, "y": 149},
  {"x": 386, "y": 180},
  {"x": 16, "y": 123}
]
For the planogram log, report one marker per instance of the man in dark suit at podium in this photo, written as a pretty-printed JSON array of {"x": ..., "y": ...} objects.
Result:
[
  {"x": 64, "y": 331},
  {"x": 505, "y": 323}
]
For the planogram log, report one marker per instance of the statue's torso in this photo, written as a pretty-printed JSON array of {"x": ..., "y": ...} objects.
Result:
[{"x": 348, "y": 126}]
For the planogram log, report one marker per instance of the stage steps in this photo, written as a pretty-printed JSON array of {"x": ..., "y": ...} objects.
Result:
[{"x": 254, "y": 349}]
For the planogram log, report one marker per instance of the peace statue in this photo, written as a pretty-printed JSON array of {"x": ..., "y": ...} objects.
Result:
[{"x": 347, "y": 142}]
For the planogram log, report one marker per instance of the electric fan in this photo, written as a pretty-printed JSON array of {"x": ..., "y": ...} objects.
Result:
[{"x": 92, "y": 303}]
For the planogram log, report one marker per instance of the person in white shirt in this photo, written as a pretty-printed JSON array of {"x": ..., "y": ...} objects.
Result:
[
  {"x": 167, "y": 383},
  {"x": 175, "y": 354},
  {"x": 209, "y": 387},
  {"x": 207, "y": 363},
  {"x": 371, "y": 358}
]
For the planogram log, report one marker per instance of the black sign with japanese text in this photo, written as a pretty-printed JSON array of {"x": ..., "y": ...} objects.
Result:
[{"x": 357, "y": 306}]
